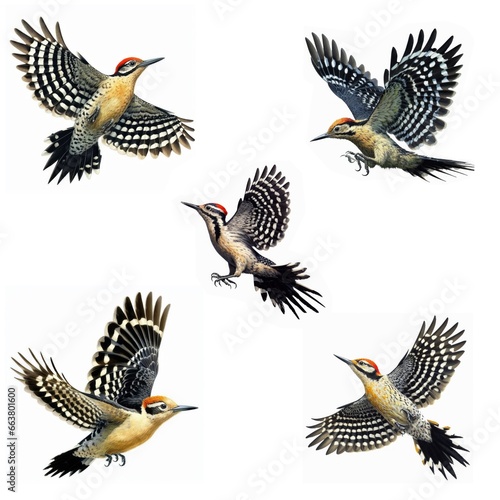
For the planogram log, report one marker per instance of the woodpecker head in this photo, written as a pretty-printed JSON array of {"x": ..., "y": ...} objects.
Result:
[
  {"x": 161, "y": 408},
  {"x": 343, "y": 128},
  {"x": 364, "y": 368},
  {"x": 213, "y": 214},
  {"x": 134, "y": 65}
]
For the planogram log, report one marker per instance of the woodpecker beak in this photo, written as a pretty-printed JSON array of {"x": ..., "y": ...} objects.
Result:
[
  {"x": 322, "y": 136},
  {"x": 190, "y": 205},
  {"x": 148, "y": 62},
  {"x": 345, "y": 360},
  {"x": 184, "y": 408}
]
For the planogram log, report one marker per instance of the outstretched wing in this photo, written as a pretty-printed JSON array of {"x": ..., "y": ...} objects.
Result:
[
  {"x": 263, "y": 211},
  {"x": 427, "y": 368},
  {"x": 60, "y": 80},
  {"x": 418, "y": 91},
  {"x": 58, "y": 394},
  {"x": 126, "y": 362},
  {"x": 349, "y": 82},
  {"x": 357, "y": 426},
  {"x": 146, "y": 128}
]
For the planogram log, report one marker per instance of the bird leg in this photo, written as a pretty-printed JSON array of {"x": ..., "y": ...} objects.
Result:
[
  {"x": 218, "y": 279},
  {"x": 361, "y": 160},
  {"x": 400, "y": 427},
  {"x": 114, "y": 458},
  {"x": 411, "y": 418}
]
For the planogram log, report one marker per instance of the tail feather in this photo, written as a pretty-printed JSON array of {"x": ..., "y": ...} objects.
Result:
[
  {"x": 66, "y": 163},
  {"x": 431, "y": 166},
  {"x": 284, "y": 290},
  {"x": 441, "y": 450},
  {"x": 67, "y": 463}
]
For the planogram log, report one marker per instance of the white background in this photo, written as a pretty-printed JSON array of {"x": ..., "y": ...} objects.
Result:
[{"x": 387, "y": 251}]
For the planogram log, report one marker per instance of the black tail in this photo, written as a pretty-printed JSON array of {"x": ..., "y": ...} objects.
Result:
[
  {"x": 67, "y": 463},
  {"x": 284, "y": 290},
  {"x": 66, "y": 163},
  {"x": 432, "y": 166},
  {"x": 441, "y": 451}
]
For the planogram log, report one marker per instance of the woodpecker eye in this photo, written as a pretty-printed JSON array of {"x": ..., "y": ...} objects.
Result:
[
  {"x": 129, "y": 64},
  {"x": 337, "y": 128},
  {"x": 156, "y": 407}
]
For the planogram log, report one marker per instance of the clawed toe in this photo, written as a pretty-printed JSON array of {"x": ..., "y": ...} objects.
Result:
[
  {"x": 114, "y": 458},
  {"x": 218, "y": 280},
  {"x": 359, "y": 159}
]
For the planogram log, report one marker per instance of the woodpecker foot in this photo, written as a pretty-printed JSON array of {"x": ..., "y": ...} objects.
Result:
[
  {"x": 218, "y": 279},
  {"x": 400, "y": 427},
  {"x": 359, "y": 159},
  {"x": 114, "y": 458},
  {"x": 411, "y": 418}
]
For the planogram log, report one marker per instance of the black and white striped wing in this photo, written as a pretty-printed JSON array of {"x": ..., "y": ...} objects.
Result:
[
  {"x": 262, "y": 213},
  {"x": 427, "y": 368},
  {"x": 357, "y": 426},
  {"x": 60, "y": 80},
  {"x": 146, "y": 128},
  {"x": 126, "y": 362},
  {"x": 418, "y": 91},
  {"x": 52, "y": 388},
  {"x": 346, "y": 79}
]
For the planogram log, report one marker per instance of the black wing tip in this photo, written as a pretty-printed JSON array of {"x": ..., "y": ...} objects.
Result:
[{"x": 136, "y": 308}]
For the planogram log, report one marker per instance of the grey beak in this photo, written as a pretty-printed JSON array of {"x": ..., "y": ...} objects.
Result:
[
  {"x": 148, "y": 62},
  {"x": 345, "y": 360},
  {"x": 190, "y": 205},
  {"x": 322, "y": 136},
  {"x": 184, "y": 408}
]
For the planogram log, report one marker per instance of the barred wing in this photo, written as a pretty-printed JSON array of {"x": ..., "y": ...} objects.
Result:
[
  {"x": 126, "y": 363},
  {"x": 263, "y": 212},
  {"x": 357, "y": 426},
  {"x": 349, "y": 82},
  {"x": 418, "y": 92},
  {"x": 427, "y": 368},
  {"x": 60, "y": 80},
  {"x": 58, "y": 394},
  {"x": 146, "y": 128}
]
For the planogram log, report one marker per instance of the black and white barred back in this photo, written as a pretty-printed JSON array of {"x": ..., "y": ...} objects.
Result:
[
  {"x": 262, "y": 213},
  {"x": 125, "y": 364}
]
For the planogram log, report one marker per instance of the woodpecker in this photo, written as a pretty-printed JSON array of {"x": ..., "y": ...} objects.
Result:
[
  {"x": 117, "y": 405},
  {"x": 100, "y": 105},
  {"x": 260, "y": 221},
  {"x": 417, "y": 93},
  {"x": 391, "y": 404}
]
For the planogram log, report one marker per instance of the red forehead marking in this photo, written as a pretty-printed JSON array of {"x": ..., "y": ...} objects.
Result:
[
  {"x": 220, "y": 207},
  {"x": 126, "y": 60},
  {"x": 340, "y": 121},
  {"x": 152, "y": 399},
  {"x": 371, "y": 363}
]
